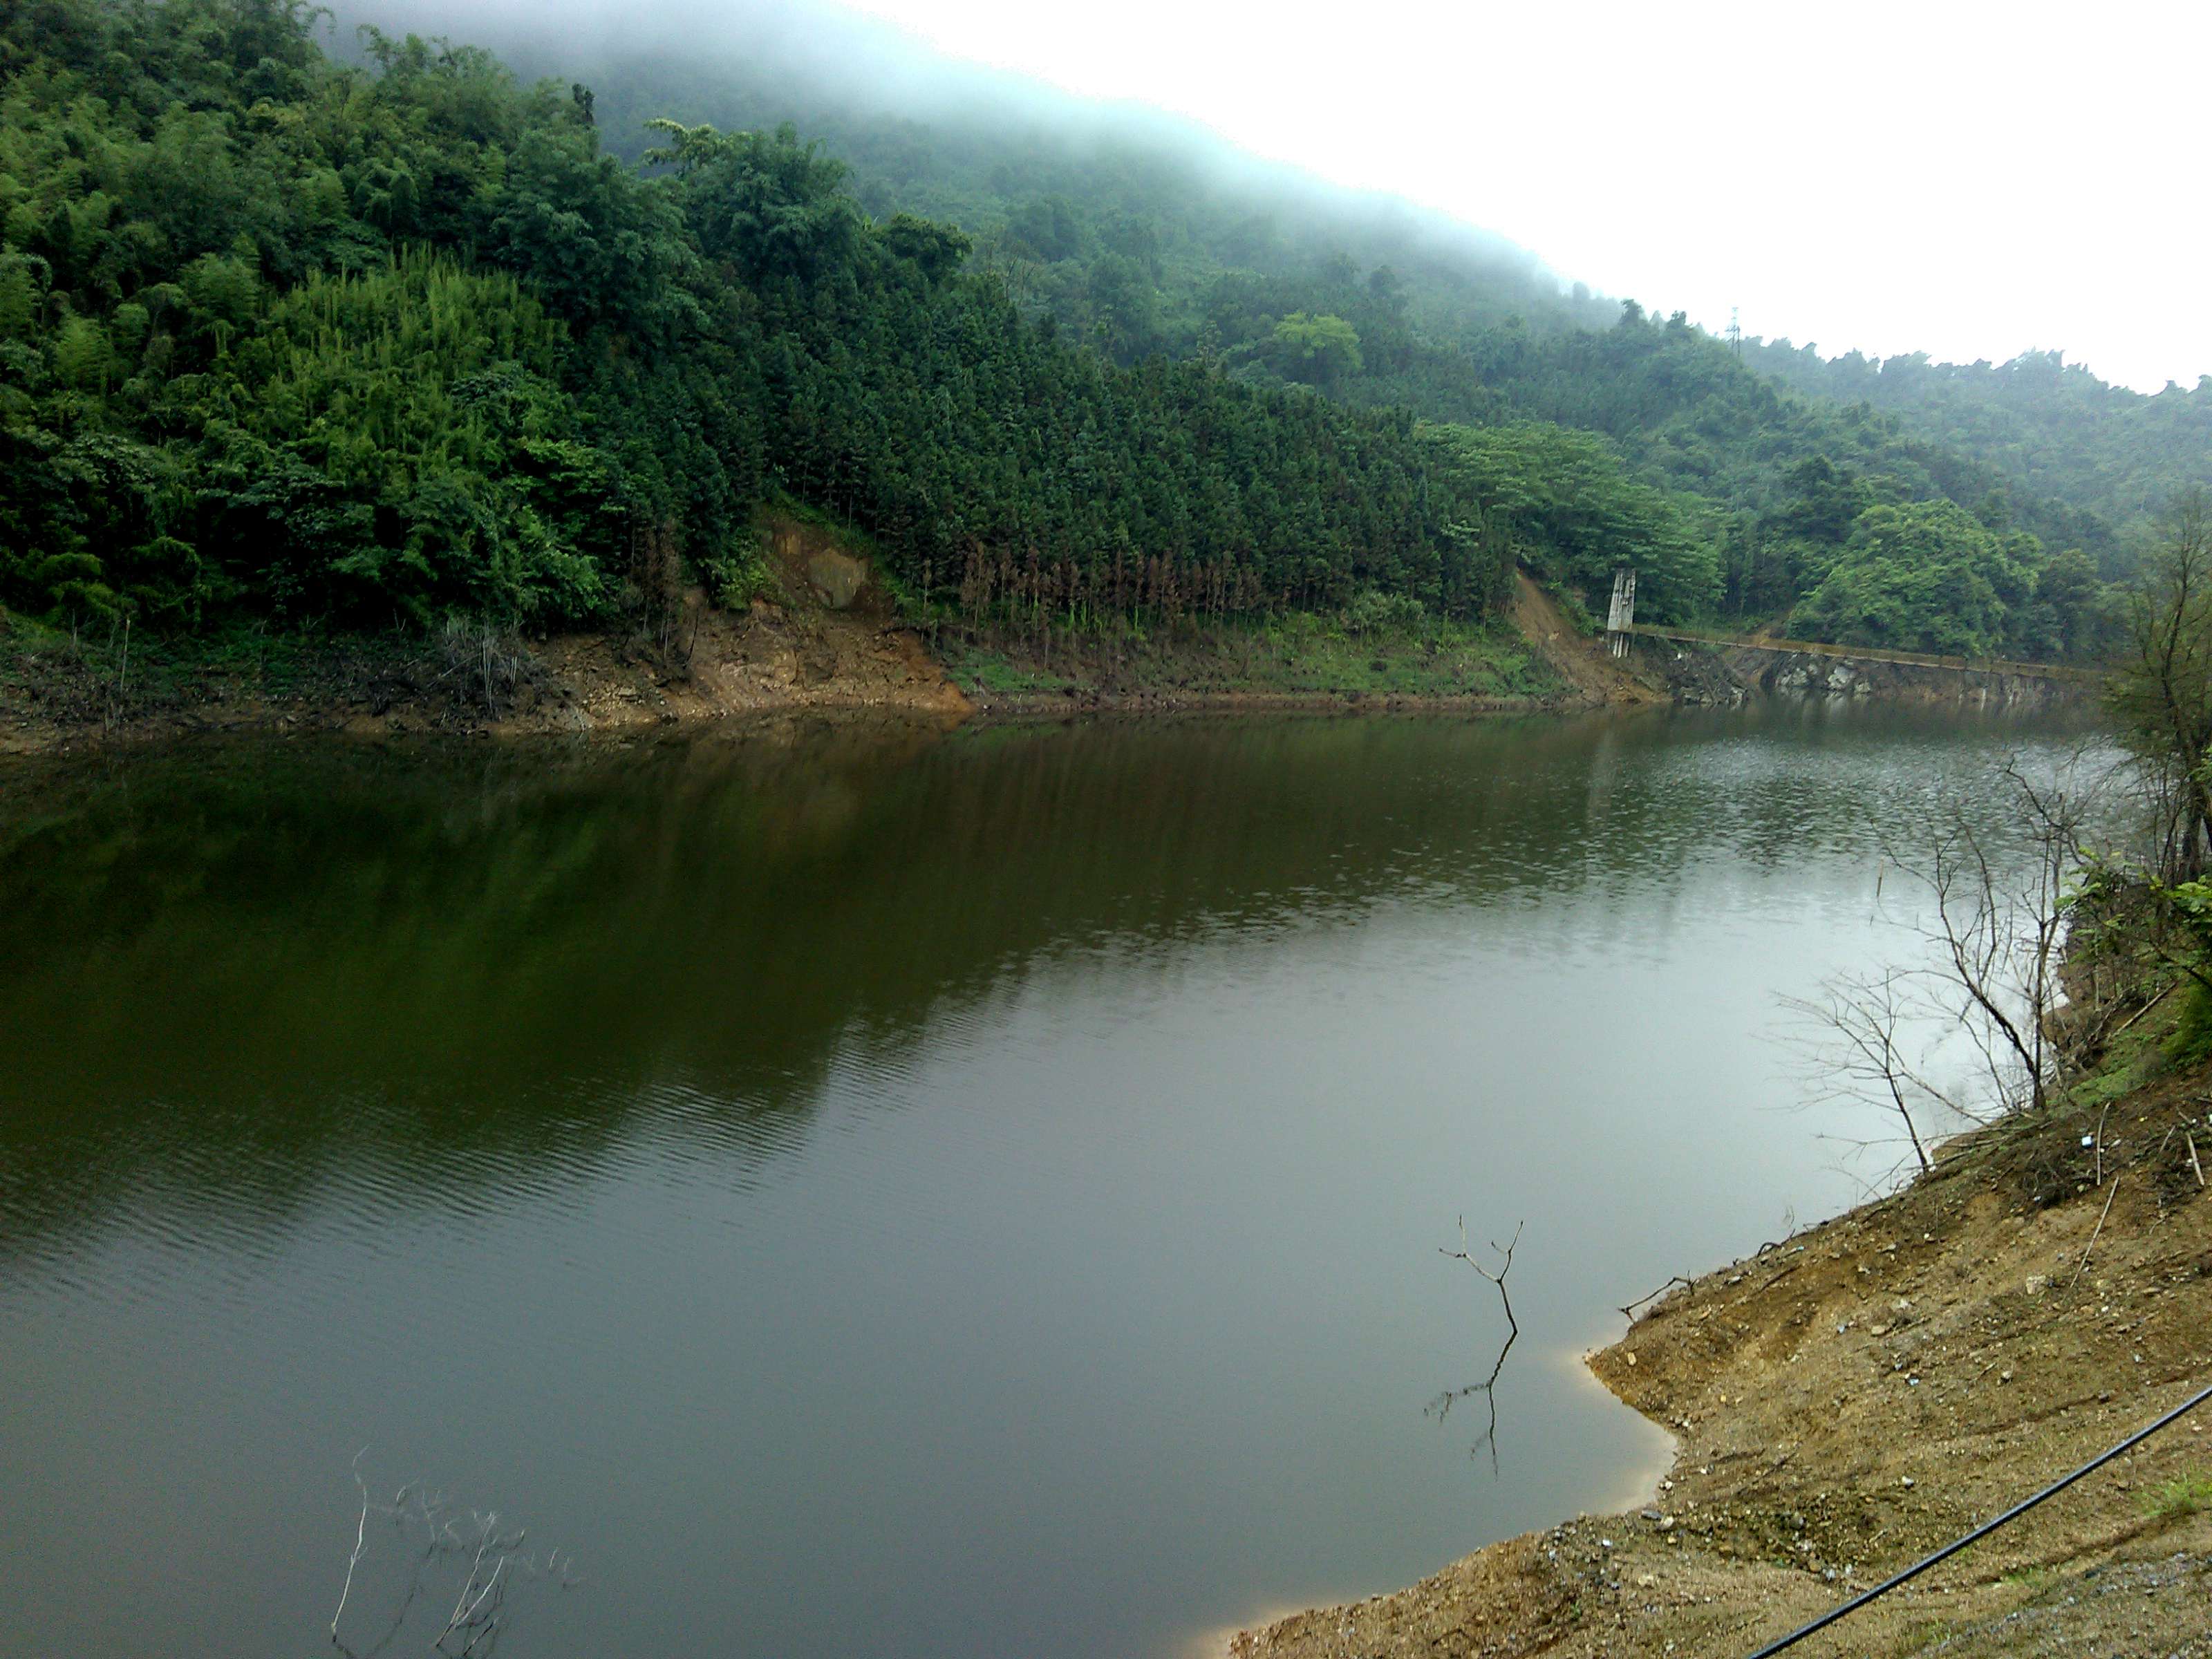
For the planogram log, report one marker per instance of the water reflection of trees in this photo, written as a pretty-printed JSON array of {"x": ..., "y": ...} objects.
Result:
[{"x": 229, "y": 965}]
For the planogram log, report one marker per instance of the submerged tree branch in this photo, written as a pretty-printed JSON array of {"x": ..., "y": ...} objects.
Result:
[
  {"x": 359, "y": 1540},
  {"x": 1440, "y": 1407}
]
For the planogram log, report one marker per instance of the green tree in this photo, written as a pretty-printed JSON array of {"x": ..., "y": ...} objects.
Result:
[
  {"x": 1321, "y": 351},
  {"x": 1923, "y": 576},
  {"x": 2159, "y": 687}
]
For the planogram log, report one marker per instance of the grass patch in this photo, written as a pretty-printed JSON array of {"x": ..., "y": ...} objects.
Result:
[
  {"x": 978, "y": 668},
  {"x": 2135, "y": 1055},
  {"x": 1923, "y": 1636},
  {"x": 1572, "y": 606},
  {"x": 1297, "y": 655},
  {"x": 2108, "y": 1083},
  {"x": 86, "y": 681},
  {"x": 2190, "y": 1495},
  {"x": 2189, "y": 1043}
]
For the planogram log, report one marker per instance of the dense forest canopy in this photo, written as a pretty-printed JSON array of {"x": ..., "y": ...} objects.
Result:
[
  {"x": 344, "y": 343},
  {"x": 2052, "y": 427},
  {"x": 341, "y": 337},
  {"x": 1143, "y": 236}
]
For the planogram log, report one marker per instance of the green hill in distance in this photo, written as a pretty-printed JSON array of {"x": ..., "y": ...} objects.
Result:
[
  {"x": 1141, "y": 232},
  {"x": 331, "y": 334}
]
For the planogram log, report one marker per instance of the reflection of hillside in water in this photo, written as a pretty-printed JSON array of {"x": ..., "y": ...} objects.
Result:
[{"x": 223, "y": 966}]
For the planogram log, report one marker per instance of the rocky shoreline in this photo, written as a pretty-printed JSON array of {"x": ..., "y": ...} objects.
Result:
[{"x": 1716, "y": 675}]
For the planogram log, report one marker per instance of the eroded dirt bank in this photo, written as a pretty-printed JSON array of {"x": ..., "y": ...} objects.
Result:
[
  {"x": 1862, "y": 1393},
  {"x": 827, "y": 637},
  {"x": 831, "y": 639}
]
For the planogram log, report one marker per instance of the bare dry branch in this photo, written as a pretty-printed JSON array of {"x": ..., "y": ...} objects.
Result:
[
  {"x": 495, "y": 1561},
  {"x": 1629, "y": 1311},
  {"x": 1440, "y": 1407},
  {"x": 2095, "y": 1234},
  {"x": 360, "y": 1539}
]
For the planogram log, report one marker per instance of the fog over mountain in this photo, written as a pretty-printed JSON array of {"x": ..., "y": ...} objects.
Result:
[
  {"x": 856, "y": 82},
  {"x": 1967, "y": 184}
]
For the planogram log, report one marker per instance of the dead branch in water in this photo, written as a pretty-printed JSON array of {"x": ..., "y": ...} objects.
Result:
[
  {"x": 359, "y": 1538},
  {"x": 1440, "y": 1407},
  {"x": 496, "y": 1562},
  {"x": 1498, "y": 1279}
]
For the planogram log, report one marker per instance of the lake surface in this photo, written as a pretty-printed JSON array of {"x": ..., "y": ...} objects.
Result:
[{"x": 878, "y": 1192}]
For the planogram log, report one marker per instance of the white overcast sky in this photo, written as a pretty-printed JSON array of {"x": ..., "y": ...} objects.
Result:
[{"x": 1971, "y": 180}]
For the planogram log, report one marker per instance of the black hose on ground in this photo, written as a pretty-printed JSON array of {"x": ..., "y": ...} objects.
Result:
[{"x": 1985, "y": 1528}]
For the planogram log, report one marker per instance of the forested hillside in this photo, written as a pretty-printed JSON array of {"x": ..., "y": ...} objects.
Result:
[
  {"x": 338, "y": 344},
  {"x": 2051, "y": 426},
  {"x": 1141, "y": 236},
  {"x": 350, "y": 343}
]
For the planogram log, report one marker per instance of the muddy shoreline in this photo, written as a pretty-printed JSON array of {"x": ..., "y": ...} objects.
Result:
[
  {"x": 619, "y": 707},
  {"x": 828, "y": 635},
  {"x": 1852, "y": 1398},
  {"x": 797, "y": 656},
  {"x": 789, "y": 657}
]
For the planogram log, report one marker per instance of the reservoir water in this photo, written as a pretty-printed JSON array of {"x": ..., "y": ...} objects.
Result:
[{"x": 883, "y": 1192}]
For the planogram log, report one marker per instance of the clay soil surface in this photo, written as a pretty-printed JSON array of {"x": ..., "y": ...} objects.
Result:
[
  {"x": 773, "y": 656},
  {"x": 1848, "y": 1400},
  {"x": 1595, "y": 678}
]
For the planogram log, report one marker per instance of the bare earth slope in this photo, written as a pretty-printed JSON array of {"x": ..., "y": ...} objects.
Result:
[
  {"x": 1849, "y": 1400},
  {"x": 834, "y": 640},
  {"x": 1583, "y": 663},
  {"x": 811, "y": 648}
]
